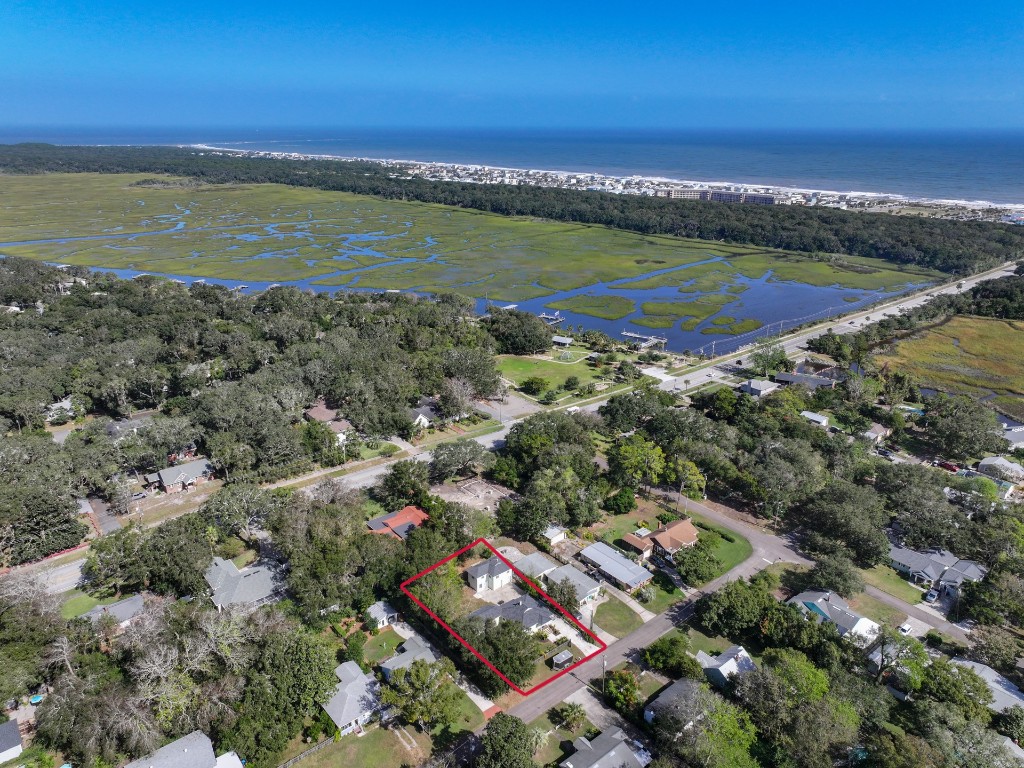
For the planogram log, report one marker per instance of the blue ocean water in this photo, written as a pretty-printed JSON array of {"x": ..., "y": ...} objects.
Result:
[{"x": 960, "y": 166}]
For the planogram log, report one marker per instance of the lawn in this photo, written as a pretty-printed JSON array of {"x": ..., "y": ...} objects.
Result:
[
  {"x": 890, "y": 582},
  {"x": 379, "y": 748},
  {"x": 616, "y": 617},
  {"x": 468, "y": 718},
  {"x": 666, "y": 594},
  {"x": 519, "y": 369},
  {"x": 710, "y": 644},
  {"x": 381, "y": 646},
  {"x": 78, "y": 603},
  {"x": 730, "y": 553},
  {"x": 558, "y": 744},
  {"x": 876, "y": 610},
  {"x": 970, "y": 355}
]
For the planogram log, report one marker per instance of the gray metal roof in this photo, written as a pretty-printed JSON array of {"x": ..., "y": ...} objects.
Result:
[
  {"x": 10, "y": 736},
  {"x": 583, "y": 583},
  {"x": 250, "y": 585},
  {"x": 609, "y": 750},
  {"x": 535, "y": 565},
  {"x": 122, "y": 610},
  {"x": 192, "y": 751},
  {"x": 355, "y": 695},
  {"x": 381, "y": 611},
  {"x": 184, "y": 473},
  {"x": 616, "y": 566},
  {"x": 828, "y": 606}
]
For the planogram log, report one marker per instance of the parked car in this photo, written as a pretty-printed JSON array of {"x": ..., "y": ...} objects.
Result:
[
  {"x": 948, "y": 466},
  {"x": 139, "y": 496},
  {"x": 884, "y": 452},
  {"x": 932, "y": 596},
  {"x": 906, "y": 629}
]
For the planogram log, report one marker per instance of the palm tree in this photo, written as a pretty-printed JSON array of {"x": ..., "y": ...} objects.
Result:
[{"x": 571, "y": 716}]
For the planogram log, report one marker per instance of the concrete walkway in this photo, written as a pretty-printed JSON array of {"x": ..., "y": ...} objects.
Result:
[{"x": 638, "y": 609}]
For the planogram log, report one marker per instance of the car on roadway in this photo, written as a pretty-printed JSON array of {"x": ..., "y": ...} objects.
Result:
[{"x": 931, "y": 596}]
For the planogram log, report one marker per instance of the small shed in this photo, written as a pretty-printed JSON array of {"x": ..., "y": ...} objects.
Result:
[
  {"x": 815, "y": 418},
  {"x": 554, "y": 534},
  {"x": 561, "y": 660}
]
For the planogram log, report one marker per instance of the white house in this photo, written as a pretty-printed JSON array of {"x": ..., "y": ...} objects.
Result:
[
  {"x": 354, "y": 700},
  {"x": 10, "y": 741},
  {"x": 553, "y": 534},
  {"x": 381, "y": 614},
  {"x": 815, "y": 418},
  {"x": 492, "y": 573},
  {"x": 536, "y": 565},
  {"x": 732, "y": 661},
  {"x": 1000, "y": 467},
  {"x": 587, "y": 589},
  {"x": 758, "y": 388}
]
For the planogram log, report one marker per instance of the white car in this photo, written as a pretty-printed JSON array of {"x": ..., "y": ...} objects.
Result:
[{"x": 905, "y": 629}]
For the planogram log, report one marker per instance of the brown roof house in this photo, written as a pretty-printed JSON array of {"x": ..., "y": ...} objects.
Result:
[
  {"x": 319, "y": 412},
  {"x": 666, "y": 540},
  {"x": 398, "y": 524}
]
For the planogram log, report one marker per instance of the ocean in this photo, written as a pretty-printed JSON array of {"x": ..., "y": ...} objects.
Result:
[{"x": 969, "y": 166}]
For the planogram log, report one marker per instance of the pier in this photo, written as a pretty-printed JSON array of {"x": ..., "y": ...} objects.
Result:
[
  {"x": 551, "y": 319},
  {"x": 644, "y": 341}
]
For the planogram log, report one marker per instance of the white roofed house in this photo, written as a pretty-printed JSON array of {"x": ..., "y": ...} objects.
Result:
[
  {"x": 587, "y": 589},
  {"x": 381, "y": 614},
  {"x": 616, "y": 566},
  {"x": 536, "y": 565},
  {"x": 876, "y": 434},
  {"x": 124, "y": 612},
  {"x": 815, "y": 418},
  {"x": 561, "y": 341},
  {"x": 553, "y": 534},
  {"x": 758, "y": 388},
  {"x": 1001, "y": 468},
  {"x": 354, "y": 700}
]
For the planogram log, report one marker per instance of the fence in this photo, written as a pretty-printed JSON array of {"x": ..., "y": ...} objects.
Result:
[{"x": 311, "y": 751}]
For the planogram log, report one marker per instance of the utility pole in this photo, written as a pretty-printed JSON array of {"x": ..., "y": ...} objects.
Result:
[{"x": 604, "y": 672}]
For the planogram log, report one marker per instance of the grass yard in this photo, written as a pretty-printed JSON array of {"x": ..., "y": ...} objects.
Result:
[
  {"x": 518, "y": 369},
  {"x": 379, "y": 748},
  {"x": 730, "y": 553},
  {"x": 558, "y": 744},
  {"x": 710, "y": 644},
  {"x": 876, "y": 610},
  {"x": 890, "y": 582},
  {"x": 970, "y": 355},
  {"x": 78, "y": 603},
  {"x": 666, "y": 594},
  {"x": 616, "y": 617},
  {"x": 468, "y": 718},
  {"x": 381, "y": 646}
]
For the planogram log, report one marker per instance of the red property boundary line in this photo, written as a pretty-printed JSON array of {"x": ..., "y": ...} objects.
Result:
[{"x": 602, "y": 646}]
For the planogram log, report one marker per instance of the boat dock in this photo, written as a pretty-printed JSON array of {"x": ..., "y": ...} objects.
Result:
[
  {"x": 551, "y": 319},
  {"x": 644, "y": 341}
]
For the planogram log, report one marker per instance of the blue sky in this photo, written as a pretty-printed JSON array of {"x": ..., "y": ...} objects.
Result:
[{"x": 683, "y": 64}]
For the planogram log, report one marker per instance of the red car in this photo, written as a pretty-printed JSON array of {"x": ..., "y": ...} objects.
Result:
[{"x": 948, "y": 466}]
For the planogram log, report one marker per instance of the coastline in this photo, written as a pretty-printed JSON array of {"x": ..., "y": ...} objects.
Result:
[{"x": 873, "y": 200}]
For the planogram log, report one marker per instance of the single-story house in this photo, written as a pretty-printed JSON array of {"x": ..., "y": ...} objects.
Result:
[
  {"x": 535, "y": 565},
  {"x": 674, "y": 536},
  {"x": 1004, "y": 693},
  {"x": 830, "y": 607},
  {"x": 122, "y": 428},
  {"x": 640, "y": 542},
  {"x": 684, "y": 689},
  {"x": 732, "y": 661},
  {"x": 815, "y": 418},
  {"x": 252, "y": 586},
  {"x": 319, "y": 412},
  {"x": 561, "y": 341},
  {"x": 381, "y": 614},
  {"x": 609, "y": 750},
  {"x": 553, "y": 534},
  {"x": 758, "y": 388},
  {"x": 354, "y": 700},
  {"x": 616, "y": 566},
  {"x": 876, "y": 434},
  {"x": 492, "y": 573},
  {"x": 10, "y": 741},
  {"x": 525, "y": 610},
  {"x": 808, "y": 380},
  {"x": 182, "y": 477},
  {"x": 398, "y": 524},
  {"x": 192, "y": 751},
  {"x": 84, "y": 507},
  {"x": 413, "y": 649},
  {"x": 124, "y": 612},
  {"x": 424, "y": 414},
  {"x": 935, "y": 568},
  {"x": 586, "y": 588},
  {"x": 61, "y": 409},
  {"x": 1001, "y": 468}
]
